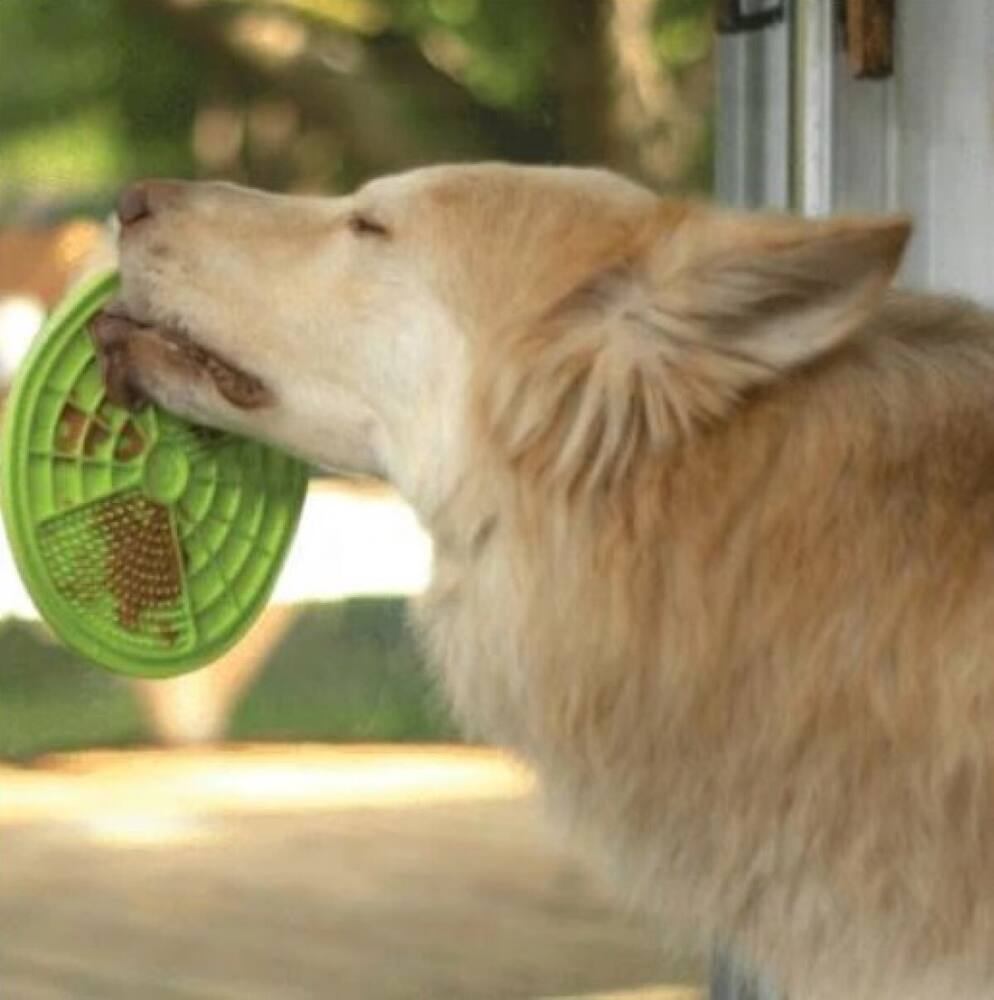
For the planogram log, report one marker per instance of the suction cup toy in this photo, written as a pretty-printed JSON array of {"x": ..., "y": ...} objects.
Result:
[{"x": 148, "y": 544}]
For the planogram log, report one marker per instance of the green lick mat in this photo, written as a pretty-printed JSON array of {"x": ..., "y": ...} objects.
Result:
[{"x": 149, "y": 544}]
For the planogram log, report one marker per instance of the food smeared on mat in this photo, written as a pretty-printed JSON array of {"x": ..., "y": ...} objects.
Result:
[{"x": 149, "y": 544}]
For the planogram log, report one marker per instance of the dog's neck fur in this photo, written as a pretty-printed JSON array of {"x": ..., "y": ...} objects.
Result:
[{"x": 724, "y": 561}]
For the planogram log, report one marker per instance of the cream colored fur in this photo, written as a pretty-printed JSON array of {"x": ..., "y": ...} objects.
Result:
[{"x": 714, "y": 522}]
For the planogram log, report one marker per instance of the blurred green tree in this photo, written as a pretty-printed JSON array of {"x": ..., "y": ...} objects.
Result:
[{"x": 320, "y": 94}]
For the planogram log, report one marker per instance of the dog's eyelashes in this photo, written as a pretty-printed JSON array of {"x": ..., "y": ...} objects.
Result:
[{"x": 364, "y": 225}]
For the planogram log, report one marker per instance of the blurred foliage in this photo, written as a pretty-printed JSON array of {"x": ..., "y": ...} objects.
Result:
[
  {"x": 498, "y": 53},
  {"x": 305, "y": 95},
  {"x": 50, "y": 700},
  {"x": 344, "y": 672},
  {"x": 320, "y": 94},
  {"x": 90, "y": 92},
  {"x": 682, "y": 35}
]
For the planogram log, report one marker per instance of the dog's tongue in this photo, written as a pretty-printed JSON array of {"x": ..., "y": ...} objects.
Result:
[
  {"x": 114, "y": 336},
  {"x": 109, "y": 334}
]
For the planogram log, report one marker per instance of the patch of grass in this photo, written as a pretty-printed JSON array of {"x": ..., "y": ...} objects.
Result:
[
  {"x": 51, "y": 700},
  {"x": 344, "y": 672}
]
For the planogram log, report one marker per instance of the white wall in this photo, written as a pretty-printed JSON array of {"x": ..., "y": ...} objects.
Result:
[{"x": 921, "y": 142}]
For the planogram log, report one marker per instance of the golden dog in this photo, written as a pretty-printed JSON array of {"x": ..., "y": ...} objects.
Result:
[{"x": 713, "y": 512}]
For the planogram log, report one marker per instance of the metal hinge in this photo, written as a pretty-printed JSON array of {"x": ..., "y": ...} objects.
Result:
[{"x": 731, "y": 19}]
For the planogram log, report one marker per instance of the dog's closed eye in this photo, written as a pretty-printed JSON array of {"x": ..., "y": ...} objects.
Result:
[{"x": 365, "y": 225}]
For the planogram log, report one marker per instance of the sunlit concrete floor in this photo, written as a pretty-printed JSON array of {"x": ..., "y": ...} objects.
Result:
[{"x": 375, "y": 873}]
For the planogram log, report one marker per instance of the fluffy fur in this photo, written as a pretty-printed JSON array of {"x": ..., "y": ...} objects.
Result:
[{"x": 713, "y": 513}]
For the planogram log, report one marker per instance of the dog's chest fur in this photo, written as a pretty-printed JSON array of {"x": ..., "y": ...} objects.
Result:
[{"x": 759, "y": 683}]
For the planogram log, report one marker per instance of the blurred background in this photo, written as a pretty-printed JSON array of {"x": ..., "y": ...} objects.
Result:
[
  {"x": 304, "y": 96},
  {"x": 300, "y": 819},
  {"x": 382, "y": 859}
]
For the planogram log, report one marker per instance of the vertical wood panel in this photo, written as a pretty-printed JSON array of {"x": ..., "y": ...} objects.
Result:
[
  {"x": 753, "y": 127},
  {"x": 815, "y": 144},
  {"x": 862, "y": 170}
]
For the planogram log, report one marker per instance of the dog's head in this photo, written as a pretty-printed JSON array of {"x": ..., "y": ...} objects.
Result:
[{"x": 569, "y": 312}]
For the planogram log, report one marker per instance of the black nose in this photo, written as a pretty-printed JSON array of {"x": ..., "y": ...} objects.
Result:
[{"x": 134, "y": 203}]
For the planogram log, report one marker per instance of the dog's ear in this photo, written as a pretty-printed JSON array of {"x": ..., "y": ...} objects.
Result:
[
  {"x": 672, "y": 333},
  {"x": 777, "y": 291}
]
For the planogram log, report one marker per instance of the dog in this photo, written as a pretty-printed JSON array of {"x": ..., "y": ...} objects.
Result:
[{"x": 713, "y": 509}]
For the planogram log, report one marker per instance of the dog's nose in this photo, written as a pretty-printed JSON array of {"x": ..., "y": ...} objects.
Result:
[
  {"x": 134, "y": 203},
  {"x": 144, "y": 198}
]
